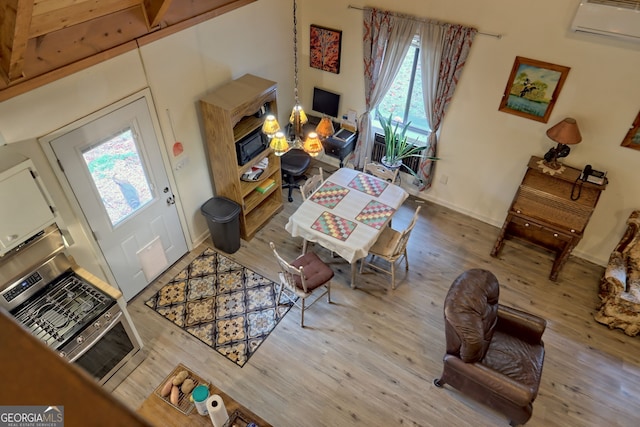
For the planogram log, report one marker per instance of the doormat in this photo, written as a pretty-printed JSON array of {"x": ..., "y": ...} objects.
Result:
[{"x": 225, "y": 305}]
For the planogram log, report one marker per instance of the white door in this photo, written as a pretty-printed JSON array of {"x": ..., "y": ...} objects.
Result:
[{"x": 114, "y": 167}]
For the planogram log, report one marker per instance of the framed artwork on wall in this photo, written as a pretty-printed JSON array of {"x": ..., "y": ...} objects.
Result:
[
  {"x": 632, "y": 139},
  {"x": 533, "y": 88},
  {"x": 325, "y": 46}
]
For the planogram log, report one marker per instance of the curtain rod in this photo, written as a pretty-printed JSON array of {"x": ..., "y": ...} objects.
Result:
[{"x": 498, "y": 36}]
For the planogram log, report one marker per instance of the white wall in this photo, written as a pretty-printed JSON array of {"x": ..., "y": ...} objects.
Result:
[
  {"x": 484, "y": 151},
  {"x": 203, "y": 58}
]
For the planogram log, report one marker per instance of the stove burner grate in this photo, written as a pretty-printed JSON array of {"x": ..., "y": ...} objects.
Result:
[{"x": 63, "y": 308}]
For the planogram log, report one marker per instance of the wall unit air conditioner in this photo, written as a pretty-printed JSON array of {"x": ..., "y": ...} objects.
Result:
[{"x": 613, "y": 18}]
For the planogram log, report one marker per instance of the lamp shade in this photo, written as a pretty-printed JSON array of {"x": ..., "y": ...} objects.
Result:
[
  {"x": 270, "y": 125},
  {"x": 312, "y": 144},
  {"x": 279, "y": 144},
  {"x": 325, "y": 128},
  {"x": 303, "y": 116},
  {"x": 566, "y": 132}
]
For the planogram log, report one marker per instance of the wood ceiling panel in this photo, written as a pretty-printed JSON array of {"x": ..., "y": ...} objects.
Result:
[
  {"x": 178, "y": 10},
  {"x": 15, "y": 16},
  {"x": 66, "y": 46},
  {"x": 44, "y": 40},
  {"x": 53, "y": 15},
  {"x": 156, "y": 10}
]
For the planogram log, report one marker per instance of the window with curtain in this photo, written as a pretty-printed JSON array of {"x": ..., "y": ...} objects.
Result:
[
  {"x": 393, "y": 84},
  {"x": 405, "y": 103},
  {"x": 404, "y": 100}
]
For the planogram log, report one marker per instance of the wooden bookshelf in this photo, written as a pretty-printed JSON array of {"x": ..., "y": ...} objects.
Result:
[{"x": 230, "y": 113}]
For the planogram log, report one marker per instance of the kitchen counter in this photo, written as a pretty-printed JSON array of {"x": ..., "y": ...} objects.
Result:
[
  {"x": 161, "y": 413},
  {"x": 96, "y": 281}
]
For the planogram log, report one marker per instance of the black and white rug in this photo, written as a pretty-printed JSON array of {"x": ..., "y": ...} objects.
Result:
[{"x": 225, "y": 305}]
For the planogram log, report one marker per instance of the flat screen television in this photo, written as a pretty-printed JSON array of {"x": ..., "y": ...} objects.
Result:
[{"x": 325, "y": 102}]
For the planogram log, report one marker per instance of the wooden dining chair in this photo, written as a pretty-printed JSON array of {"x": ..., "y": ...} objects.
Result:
[
  {"x": 391, "y": 246},
  {"x": 307, "y": 189},
  {"x": 301, "y": 278},
  {"x": 380, "y": 171},
  {"x": 312, "y": 184}
]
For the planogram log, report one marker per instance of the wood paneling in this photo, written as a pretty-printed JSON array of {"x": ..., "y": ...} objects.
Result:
[
  {"x": 54, "y": 15},
  {"x": 43, "y": 40},
  {"x": 178, "y": 10},
  {"x": 59, "y": 48},
  {"x": 369, "y": 358},
  {"x": 156, "y": 10},
  {"x": 58, "y": 73}
]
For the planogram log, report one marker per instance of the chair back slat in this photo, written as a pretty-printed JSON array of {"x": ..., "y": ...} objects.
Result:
[
  {"x": 404, "y": 238},
  {"x": 290, "y": 275},
  {"x": 311, "y": 185}
]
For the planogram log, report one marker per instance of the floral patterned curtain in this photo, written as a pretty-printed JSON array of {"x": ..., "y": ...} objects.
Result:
[
  {"x": 444, "y": 48},
  {"x": 386, "y": 41}
]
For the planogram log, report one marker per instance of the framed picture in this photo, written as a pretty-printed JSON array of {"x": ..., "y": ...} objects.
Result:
[
  {"x": 632, "y": 139},
  {"x": 325, "y": 45},
  {"x": 532, "y": 88}
]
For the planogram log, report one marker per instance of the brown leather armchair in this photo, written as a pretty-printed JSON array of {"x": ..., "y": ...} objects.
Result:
[{"x": 494, "y": 353}]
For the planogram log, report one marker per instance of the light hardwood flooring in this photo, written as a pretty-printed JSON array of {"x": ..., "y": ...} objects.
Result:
[{"x": 369, "y": 358}]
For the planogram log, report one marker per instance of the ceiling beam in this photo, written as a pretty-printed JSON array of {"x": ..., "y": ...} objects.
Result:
[
  {"x": 16, "y": 19},
  {"x": 156, "y": 10}
]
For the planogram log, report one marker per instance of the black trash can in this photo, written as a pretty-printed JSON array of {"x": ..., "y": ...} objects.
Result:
[{"x": 223, "y": 218}]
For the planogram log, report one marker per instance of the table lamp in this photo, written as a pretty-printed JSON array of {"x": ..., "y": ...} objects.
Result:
[{"x": 564, "y": 133}]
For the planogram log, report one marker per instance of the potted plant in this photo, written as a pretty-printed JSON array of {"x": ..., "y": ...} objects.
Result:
[{"x": 398, "y": 147}]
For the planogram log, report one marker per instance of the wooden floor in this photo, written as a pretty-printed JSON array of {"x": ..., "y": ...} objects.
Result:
[{"x": 370, "y": 358}]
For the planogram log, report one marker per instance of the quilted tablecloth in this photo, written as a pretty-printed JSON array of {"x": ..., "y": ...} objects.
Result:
[{"x": 347, "y": 213}]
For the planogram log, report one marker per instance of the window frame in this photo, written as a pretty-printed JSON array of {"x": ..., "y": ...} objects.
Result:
[{"x": 417, "y": 134}]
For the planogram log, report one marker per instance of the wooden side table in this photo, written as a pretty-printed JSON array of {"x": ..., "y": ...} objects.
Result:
[{"x": 550, "y": 211}]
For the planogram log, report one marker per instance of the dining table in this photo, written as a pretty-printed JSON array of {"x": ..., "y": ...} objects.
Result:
[{"x": 347, "y": 213}]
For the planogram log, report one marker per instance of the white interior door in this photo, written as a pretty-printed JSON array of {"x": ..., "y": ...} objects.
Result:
[{"x": 114, "y": 166}]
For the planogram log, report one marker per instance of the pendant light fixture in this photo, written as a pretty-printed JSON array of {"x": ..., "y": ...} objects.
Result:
[
  {"x": 270, "y": 126},
  {"x": 298, "y": 117},
  {"x": 312, "y": 144},
  {"x": 325, "y": 128},
  {"x": 279, "y": 144}
]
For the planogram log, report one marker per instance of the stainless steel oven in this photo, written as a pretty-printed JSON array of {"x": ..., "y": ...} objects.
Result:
[{"x": 84, "y": 322}]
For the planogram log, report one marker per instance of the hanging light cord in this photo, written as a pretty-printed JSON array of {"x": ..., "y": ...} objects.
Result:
[{"x": 295, "y": 53}]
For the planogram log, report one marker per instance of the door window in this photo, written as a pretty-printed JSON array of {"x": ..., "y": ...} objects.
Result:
[{"x": 119, "y": 175}]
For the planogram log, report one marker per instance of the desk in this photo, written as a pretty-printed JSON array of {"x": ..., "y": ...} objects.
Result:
[
  {"x": 550, "y": 211},
  {"x": 347, "y": 214},
  {"x": 161, "y": 413},
  {"x": 333, "y": 147}
]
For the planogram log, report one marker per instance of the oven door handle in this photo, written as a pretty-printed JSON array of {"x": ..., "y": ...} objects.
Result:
[{"x": 98, "y": 338}]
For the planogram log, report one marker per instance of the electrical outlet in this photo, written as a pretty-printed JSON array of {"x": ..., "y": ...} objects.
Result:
[{"x": 444, "y": 179}]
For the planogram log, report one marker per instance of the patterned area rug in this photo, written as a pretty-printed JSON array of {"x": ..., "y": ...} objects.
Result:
[{"x": 225, "y": 305}]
